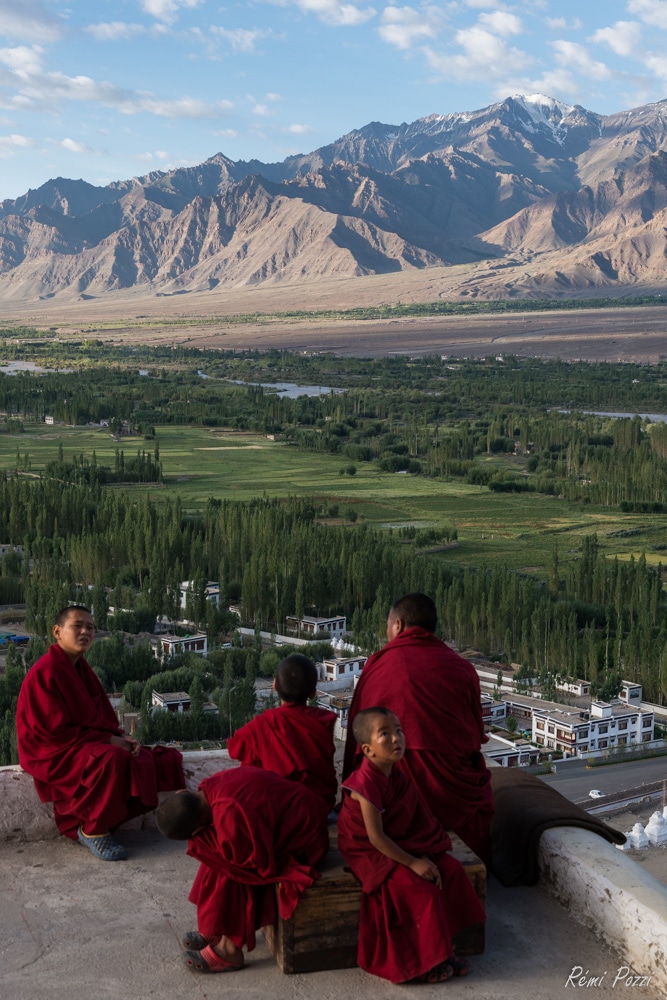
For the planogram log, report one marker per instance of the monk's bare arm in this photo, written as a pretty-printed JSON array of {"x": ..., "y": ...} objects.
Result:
[{"x": 372, "y": 818}]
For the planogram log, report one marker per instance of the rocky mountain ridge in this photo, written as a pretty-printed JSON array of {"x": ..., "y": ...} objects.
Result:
[{"x": 573, "y": 200}]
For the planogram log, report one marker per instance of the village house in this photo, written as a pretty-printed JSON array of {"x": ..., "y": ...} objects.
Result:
[
  {"x": 311, "y": 626},
  {"x": 341, "y": 669},
  {"x": 604, "y": 727},
  {"x": 171, "y": 645},
  {"x": 212, "y": 592}
]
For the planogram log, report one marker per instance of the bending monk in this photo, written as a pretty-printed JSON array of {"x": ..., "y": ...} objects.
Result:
[
  {"x": 70, "y": 742},
  {"x": 436, "y": 695},
  {"x": 295, "y": 740},
  {"x": 250, "y": 829}
]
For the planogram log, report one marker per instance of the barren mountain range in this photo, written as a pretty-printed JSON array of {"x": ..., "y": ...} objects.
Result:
[{"x": 530, "y": 196}]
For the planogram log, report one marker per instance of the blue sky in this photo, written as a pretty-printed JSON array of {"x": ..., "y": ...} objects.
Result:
[{"x": 110, "y": 89}]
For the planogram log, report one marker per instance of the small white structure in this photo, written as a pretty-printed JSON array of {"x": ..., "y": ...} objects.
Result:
[
  {"x": 342, "y": 669},
  {"x": 631, "y": 693},
  {"x": 170, "y": 645},
  {"x": 493, "y": 712},
  {"x": 48, "y": 421},
  {"x": 212, "y": 592},
  {"x": 171, "y": 701},
  {"x": 656, "y": 830},
  {"x": 309, "y": 625},
  {"x": 581, "y": 689},
  {"x": 637, "y": 837},
  {"x": 340, "y": 704}
]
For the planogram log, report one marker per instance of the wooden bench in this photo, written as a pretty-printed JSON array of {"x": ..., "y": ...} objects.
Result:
[{"x": 323, "y": 931}]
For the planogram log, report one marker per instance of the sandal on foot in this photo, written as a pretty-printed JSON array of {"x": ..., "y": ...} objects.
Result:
[
  {"x": 208, "y": 960},
  {"x": 103, "y": 846},
  {"x": 459, "y": 966},
  {"x": 194, "y": 941},
  {"x": 439, "y": 974}
]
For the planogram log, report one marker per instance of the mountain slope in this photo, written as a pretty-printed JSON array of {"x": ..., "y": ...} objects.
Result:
[{"x": 572, "y": 199}]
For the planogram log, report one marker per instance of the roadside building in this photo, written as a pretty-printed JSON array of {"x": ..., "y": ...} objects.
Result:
[
  {"x": 342, "y": 668},
  {"x": 604, "y": 727},
  {"x": 308, "y": 625},
  {"x": 170, "y": 645}
]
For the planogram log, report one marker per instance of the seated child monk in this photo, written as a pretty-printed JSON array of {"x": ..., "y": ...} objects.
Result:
[
  {"x": 416, "y": 897},
  {"x": 295, "y": 740},
  {"x": 250, "y": 829}
]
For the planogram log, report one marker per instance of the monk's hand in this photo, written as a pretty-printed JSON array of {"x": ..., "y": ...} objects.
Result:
[
  {"x": 125, "y": 742},
  {"x": 425, "y": 868}
]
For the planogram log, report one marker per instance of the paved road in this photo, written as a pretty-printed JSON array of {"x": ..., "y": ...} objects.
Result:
[{"x": 574, "y": 780}]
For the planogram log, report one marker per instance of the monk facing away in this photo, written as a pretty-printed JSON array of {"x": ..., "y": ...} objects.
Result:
[
  {"x": 436, "y": 694},
  {"x": 70, "y": 742},
  {"x": 415, "y": 896},
  {"x": 249, "y": 829},
  {"x": 295, "y": 740}
]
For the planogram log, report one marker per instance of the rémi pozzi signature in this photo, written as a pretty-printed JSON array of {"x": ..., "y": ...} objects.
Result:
[{"x": 624, "y": 976}]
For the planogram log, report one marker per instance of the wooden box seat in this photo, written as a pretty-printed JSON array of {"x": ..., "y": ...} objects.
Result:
[{"x": 323, "y": 931}]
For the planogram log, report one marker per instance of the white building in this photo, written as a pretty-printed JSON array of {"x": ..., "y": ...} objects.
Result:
[
  {"x": 631, "y": 693},
  {"x": 342, "y": 669},
  {"x": 311, "y": 626},
  {"x": 170, "y": 645},
  {"x": 212, "y": 592},
  {"x": 494, "y": 712},
  {"x": 509, "y": 754},
  {"x": 577, "y": 732},
  {"x": 581, "y": 689}
]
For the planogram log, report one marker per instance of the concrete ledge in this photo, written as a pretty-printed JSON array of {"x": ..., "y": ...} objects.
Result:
[
  {"x": 610, "y": 893},
  {"x": 24, "y": 817}
]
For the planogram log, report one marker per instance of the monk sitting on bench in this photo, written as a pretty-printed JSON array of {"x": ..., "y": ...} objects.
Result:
[
  {"x": 295, "y": 740},
  {"x": 415, "y": 896}
]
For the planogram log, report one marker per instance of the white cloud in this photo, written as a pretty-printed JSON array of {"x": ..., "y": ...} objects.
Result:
[
  {"x": 24, "y": 60},
  {"x": 657, "y": 65},
  {"x": 227, "y": 133},
  {"x": 75, "y": 147},
  {"x": 113, "y": 31},
  {"x": 27, "y": 19},
  {"x": 261, "y": 109},
  {"x": 576, "y": 56},
  {"x": 158, "y": 154},
  {"x": 650, "y": 11},
  {"x": 10, "y": 144},
  {"x": 560, "y": 23},
  {"x": 501, "y": 23},
  {"x": 335, "y": 12},
  {"x": 274, "y": 97},
  {"x": 240, "y": 39},
  {"x": 402, "y": 26},
  {"x": 485, "y": 54},
  {"x": 623, "y": 38},
  {"x": 167, "y": 10},
  {"x": 32, "y": 88},
  {"x": 300, "y": 129}
]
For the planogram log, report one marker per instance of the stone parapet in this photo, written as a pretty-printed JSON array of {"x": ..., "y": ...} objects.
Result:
[
  {"x": 24, "y": 817},
  {"x": 610, "y": 893}
]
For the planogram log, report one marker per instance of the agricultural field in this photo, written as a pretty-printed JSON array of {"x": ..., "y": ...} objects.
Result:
[{"x": 519, "y": 530}]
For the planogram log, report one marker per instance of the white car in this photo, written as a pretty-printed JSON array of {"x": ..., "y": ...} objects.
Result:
[{"x": 595, "y": 793}]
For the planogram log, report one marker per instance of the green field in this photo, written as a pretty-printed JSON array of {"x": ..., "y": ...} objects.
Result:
[{"x": 521, "y": 530}]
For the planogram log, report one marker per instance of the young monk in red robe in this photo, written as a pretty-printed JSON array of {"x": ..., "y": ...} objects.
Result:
[
  {"x": 416, "y": 897},
  {"x": 250, "y": 829},
  {"x": 295, "y": 740},
  {"x": 70, "y": 742},
  {"x": 436, "y": 694}
]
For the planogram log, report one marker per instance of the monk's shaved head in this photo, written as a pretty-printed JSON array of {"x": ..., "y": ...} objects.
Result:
[
  {"x": 365, "y": 720},
  {"x": 414, "y": 610},
  {"x": 296, "y": 679},
  {"x": 180, "y": 815}
]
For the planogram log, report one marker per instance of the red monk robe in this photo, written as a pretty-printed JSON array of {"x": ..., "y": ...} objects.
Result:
[
  {"x": 436, "y": 695},
  {"x": 63, "y": 723},
  {"x": 265, "y": 830},
  {"x": 406, "y": 924},
  {"x": 295, "y": 741}
]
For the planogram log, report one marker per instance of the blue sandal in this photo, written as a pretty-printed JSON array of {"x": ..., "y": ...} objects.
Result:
[{"x": 103, "y": 846}]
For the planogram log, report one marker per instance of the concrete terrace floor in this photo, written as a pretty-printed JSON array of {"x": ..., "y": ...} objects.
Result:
[{"x": 74, "y": 928}]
